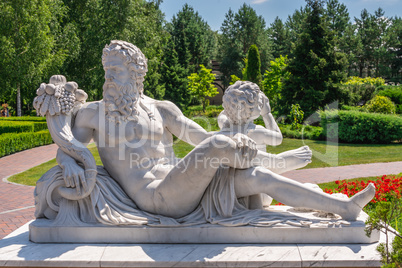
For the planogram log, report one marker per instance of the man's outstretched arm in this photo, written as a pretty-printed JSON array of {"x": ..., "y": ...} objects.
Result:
[{"x": 181, "y": 126}]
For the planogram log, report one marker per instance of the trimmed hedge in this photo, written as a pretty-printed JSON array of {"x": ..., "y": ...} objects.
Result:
[
  {"x": 361, "y": 127},
  {"x": 23, "y": 126},
  {"x": 11, "y": 142},
  {"x": 24, "y": 118}
]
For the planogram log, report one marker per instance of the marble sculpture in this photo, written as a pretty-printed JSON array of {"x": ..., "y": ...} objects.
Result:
[{"x": 226, "y": 179}]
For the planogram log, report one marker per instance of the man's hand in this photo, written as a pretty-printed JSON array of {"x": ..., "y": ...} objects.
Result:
[
  {"x": 74, "y": 177},
  {"x": 246, "y": 146}
]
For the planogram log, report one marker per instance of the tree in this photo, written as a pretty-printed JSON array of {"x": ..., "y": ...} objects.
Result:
[
  {"x": 273, "y": 80},
  {"x": 317, "y": 68},
  {"x": 200, "y": 85},
  {"x": 239, "y": 31},
  {"x": 253, "y": 67},
  {"x": 194, "y": 40},
  {"x": 338, "y": 17},
  {"x": 395, "y": 47},
  {"x": 295, "y": 23},
  {"x": 100, "y": 21},
  {"x": 279, "y": 35},
  {"x": 29, "y": 50},
  {"x": 173, "y": 76}
]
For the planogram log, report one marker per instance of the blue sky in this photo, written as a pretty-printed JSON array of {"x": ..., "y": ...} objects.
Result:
[{"x": 213, "y": 11}]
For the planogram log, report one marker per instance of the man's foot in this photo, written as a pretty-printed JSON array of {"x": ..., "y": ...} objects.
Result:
[{"x": 357, "y": 202}]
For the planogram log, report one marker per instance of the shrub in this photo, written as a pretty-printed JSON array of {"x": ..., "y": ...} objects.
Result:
[
  {"x": 362, "y": 89},
  {"x": 296, "y": 116},
  {"x": 381, "y": 104},
  {"x": 21, "y": 126},
  {"x": 392, "y": 92},
  {"x": 305, "y": 131},
  {"x": 15, "y": 127},
  {"x": 210, "y": 111},
  {"x": 354, "y": 108},
  {"x": 360, "y": 127},
  {"x": 11, "y": 142},
  {"x": 24, "y": 118}
]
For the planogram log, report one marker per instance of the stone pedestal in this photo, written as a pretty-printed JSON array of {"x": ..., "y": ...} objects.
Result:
[
  {"x": 322, "y": 231},
  {"x": 17, "y": 251}
]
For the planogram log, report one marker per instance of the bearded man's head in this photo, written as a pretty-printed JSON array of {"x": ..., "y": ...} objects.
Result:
[{"x": 125, "y": 68}]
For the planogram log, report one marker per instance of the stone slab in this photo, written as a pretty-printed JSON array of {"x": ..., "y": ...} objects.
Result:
[
  {"x": 42, "y": 231},
  {"x": 17, "y": 251}
]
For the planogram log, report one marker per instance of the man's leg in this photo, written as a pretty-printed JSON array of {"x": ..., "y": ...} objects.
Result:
[
  {"x": 256, "y": 180},
  {"x": 180, "y": 192}
]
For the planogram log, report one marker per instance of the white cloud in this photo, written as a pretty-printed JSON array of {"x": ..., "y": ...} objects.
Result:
[{"x": 258, "y": 1}]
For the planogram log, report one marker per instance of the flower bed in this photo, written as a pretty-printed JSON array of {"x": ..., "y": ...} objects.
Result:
[{"x": 387, "y": 187}]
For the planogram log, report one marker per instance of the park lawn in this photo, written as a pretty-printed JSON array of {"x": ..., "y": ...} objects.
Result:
[
  {"x": 323, "y": 155},
  {"x": 327, "y": 155},
  {"x": 30, "y": 176}
]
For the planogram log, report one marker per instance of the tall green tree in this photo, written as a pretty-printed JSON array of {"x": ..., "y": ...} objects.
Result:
[
  {"x": 317, "y": 68},
  {"x": 253, "y": 67},
  {"x": 201, "y": 85},
  {"x": 279, "y": 35},
  {"x": 239, "y": 31},
  {"x": 395, "y": 48},
  {"x": 366, "y": 35},
  {"x": 295, "y": 23},
  {"x": 29, "y": 48},
  {"x": 174, "y": 78},
  {"x": 194, "y": 40},
  {"x": 100, "y": 21},
  {"x": 338, "y": 18}
]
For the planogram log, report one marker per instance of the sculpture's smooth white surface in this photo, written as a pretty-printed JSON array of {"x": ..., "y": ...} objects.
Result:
[
  {"x": 17, "y": 251},
  {"x": 142, "y": 182}
]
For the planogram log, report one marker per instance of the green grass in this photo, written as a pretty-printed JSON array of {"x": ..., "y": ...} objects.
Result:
[
  {"x": 341, "y": 154},
  {"x": 30, "y": 176}
]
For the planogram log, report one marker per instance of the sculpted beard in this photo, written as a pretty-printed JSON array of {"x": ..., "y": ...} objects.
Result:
[{"x": 121, "y": 100}]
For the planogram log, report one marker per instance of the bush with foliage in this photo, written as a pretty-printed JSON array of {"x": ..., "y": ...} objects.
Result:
[
  {"x": 11, "y": 142},
  {"x": 210, "y": 111},
  {"x": 273, "y": 80},
  {"x": 394, "y": 93},
  {"x": 21, "y": 126},
  {"x": 296, "y": 116},
  {"x": 361, "y": 90},
  {"x": 24, "y": 118},
  {"x": 360, "y": 127},
  {"x": 200, "y": 85},
  {"x": 381, "y": 104}
]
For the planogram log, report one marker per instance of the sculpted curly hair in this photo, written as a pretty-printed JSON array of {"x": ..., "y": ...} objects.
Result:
[
  {"x": 122, "y": 106},
  {"x": 240, "y": 100}
]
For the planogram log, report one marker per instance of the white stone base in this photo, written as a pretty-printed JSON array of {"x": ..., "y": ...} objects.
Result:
[
  {"x": 42, "y": 231},
  {"x": 17, "y": 251}
]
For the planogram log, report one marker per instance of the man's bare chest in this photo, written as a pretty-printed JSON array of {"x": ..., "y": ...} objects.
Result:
[{"x": 140, "y": 132}]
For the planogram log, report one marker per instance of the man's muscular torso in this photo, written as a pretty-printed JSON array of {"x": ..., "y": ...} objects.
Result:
[{"x": 134, "y": 153}]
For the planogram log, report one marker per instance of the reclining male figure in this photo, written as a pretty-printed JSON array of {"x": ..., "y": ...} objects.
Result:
[{"x": 134, "y": 135}]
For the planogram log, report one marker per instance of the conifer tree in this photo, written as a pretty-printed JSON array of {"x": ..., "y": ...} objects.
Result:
[
  {"x": 253, "y": 69},
  {"x": 174, "y": 78},
  {"x": 317, "y": 68}
]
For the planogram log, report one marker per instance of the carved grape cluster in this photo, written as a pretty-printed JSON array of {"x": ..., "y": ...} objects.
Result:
[{"x": 58, "y": 97}]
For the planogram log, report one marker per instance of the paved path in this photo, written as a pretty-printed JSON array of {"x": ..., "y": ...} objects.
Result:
[
  {"x": 321, "y": 175},
  {"x": 17, "y": 202}
]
